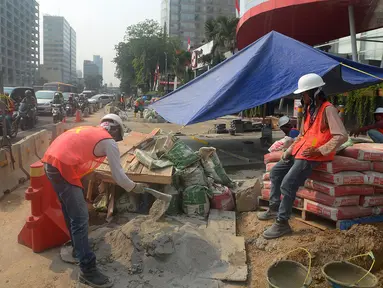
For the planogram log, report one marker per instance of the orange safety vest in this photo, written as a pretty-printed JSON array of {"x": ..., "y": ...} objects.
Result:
[
  {"x": 72, "y": 153},
  {"x": 314, "y": 136}
]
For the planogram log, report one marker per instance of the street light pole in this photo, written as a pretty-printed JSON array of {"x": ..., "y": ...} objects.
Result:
[{"x": 166, "y": 63}]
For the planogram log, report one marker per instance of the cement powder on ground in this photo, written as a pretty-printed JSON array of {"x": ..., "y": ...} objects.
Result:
[{"x": 158, "y": 254}]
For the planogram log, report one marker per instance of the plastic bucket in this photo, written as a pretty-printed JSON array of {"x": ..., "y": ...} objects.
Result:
[
  {"x": 290, "y": 274},
  {"x": 341, "y": 274}
]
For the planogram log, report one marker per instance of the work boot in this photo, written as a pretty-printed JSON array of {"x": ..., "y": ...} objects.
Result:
[
  {"x": 269, "y": 214},
  {"x": 278, "y": 229},
  {"x": 76, "y": 260},
  {"x": 94, "y": 278}
]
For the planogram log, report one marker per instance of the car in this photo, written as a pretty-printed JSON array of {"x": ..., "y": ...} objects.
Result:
[
  {"x": 44, "y": 101},
  {"x": 101, "y": 98}
]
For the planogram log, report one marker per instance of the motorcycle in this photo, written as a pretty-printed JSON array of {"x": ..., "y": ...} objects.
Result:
[
  {"x": 14, "y": 125},
  {"x": 70, "y": 109},
  {"x": 83, "y": 104},
  {"x": 27, "y": 116},
  {"x": 57, "y": 113}
]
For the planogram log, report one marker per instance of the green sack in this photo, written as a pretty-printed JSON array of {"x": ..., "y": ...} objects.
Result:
[
  {"x": 181, "y": 155},
  {"x": 195, "y": 200}
]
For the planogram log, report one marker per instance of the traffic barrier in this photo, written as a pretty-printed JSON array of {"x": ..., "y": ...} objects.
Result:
[
  {"x": 57, "y": 130},
  {"x": 86, "y": 112},
  {"x": 45, "y": 228},
  {"x": 28, "y": 153},
  {"x": 11, "y": 175},
  {"x": 41, "y": 143}
]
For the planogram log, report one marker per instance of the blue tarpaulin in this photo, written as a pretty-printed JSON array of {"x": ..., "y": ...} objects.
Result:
[{"x": 266, "y": 70}]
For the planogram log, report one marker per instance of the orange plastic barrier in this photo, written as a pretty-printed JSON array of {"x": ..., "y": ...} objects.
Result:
[{"x": 46, "y": 227}]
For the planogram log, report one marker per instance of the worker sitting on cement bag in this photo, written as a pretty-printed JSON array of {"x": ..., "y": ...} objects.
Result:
[
  {"x": 322, "y": 132},
  {"x": 291, "y": 133},
  {"x": 375, "y": 131},
  {"x": 71, "y": 156},
  {"x": 285, "y": 125}
]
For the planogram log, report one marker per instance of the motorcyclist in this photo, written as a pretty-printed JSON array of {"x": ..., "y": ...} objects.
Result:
[{"x": 29, "y": 99}]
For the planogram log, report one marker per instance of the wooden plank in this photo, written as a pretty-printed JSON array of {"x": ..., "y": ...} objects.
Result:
[
  {"x": 222, "y": 221},
  {"x": 130, "y": 158},
  {"x": 155, "y": 132}
]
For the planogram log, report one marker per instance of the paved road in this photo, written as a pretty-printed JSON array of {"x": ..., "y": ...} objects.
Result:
[{"x": 44, "y": 122}]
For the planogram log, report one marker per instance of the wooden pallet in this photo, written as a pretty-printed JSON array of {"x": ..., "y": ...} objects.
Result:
[{"x": 322, "y": 223}]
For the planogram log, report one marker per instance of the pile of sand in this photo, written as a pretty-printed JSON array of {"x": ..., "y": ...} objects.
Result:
[
  {"x": 159, "y": 254},
  {"x": 324, "y": 246}
]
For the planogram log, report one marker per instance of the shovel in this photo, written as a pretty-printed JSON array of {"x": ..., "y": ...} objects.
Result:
[{"x": 161, "y": 205}]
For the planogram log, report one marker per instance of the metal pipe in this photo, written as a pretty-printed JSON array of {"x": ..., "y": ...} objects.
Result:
[{"x": 354, "y": 48}]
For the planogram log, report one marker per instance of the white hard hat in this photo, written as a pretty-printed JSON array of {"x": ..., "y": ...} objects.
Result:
[
  {"x": 117, "y": 121},
  {"x": 308, "y": 82},
  {"x": 379, "y": 110},
  {"x": 283, "y": 121}
]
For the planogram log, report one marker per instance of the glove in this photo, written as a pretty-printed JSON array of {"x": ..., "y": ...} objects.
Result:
[{"x": 139, "y": 188}]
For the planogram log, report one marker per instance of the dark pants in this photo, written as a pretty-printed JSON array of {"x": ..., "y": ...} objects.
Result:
[
  {"x": 76, "y": 216},
  {"x": 286, "y": 177}
]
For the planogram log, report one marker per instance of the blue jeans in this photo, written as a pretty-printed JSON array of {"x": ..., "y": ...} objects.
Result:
[
  {"x": 375, "y": 135},
  {"x": 286, "y": 178},
  {"x": 76, "y": 216}
]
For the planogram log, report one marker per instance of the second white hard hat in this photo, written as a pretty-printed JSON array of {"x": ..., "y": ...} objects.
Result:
[
  {"x": 379, "y": 110},
  {"x": 117, "y": 121},
  {"x": 308, "y": 82},
  {"x": 283, "y": 121}
]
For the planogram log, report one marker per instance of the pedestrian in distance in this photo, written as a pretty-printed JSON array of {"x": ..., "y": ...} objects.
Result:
[
  {"x": 71, "y": 156},
  {"x": 321, "y": 133}
]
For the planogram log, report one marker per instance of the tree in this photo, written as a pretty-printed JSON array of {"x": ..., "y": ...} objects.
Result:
[
  {"x": 222, "y": 31},
  {"x": 93, "y": 82},
  {"x": 145, "y": 46}
]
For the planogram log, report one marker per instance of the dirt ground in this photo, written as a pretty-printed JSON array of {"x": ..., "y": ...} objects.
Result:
[{"x": 324, "y": 246}]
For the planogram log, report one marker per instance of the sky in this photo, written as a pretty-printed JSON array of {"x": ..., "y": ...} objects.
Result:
[{"x": 100, "y": 25}]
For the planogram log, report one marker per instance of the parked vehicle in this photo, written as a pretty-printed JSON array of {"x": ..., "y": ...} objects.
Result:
[
  {"x": 101, "y": 98},
  {"x": 27, "y": 116}
]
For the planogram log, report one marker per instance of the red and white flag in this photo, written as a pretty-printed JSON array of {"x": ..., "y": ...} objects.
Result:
[
  {"x": 237, "y": 8},
  {"x": 189, "y": 44}
]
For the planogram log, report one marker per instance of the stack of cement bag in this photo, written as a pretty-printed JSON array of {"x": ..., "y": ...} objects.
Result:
[
  {"x": 349, "y": 187},
  {"x": 270, "y": 160}
]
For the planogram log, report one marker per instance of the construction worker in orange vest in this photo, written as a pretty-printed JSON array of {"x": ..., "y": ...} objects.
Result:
[
  {"x": 71, "y": 156},
  {"x": 375, "y": 131},
  {"x": 321, "y": 133}
]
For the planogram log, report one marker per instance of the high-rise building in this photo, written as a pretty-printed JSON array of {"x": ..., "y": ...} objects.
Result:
[
  {"x": 19, "y": 41},
  {"x": 99, "y": 62},
  {"x": 59, "y": 50},
  {"x": 186, "y": 19},
  {"x": 79, "y": 73},
  {"x": 90, "y": 69}
]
